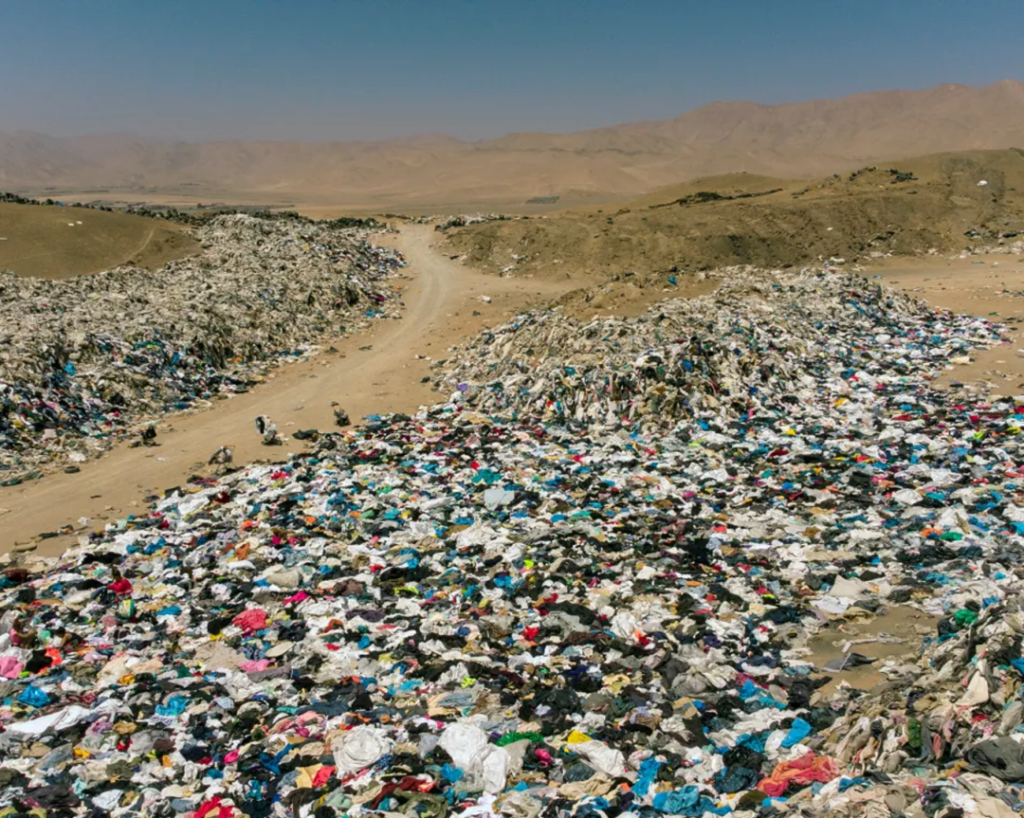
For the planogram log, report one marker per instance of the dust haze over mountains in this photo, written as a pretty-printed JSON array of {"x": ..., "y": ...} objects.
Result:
[{"x": 794, "y": 140}]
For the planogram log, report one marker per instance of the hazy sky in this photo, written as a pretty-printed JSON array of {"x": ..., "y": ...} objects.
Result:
[{"x": 370, "y": 69}]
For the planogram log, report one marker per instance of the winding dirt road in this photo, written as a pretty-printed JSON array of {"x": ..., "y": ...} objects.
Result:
[{"x": 441, "y": 300}]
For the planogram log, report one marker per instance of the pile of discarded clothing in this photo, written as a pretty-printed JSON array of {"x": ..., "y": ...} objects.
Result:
[
  {"x": 956, "y": 710},
  {"x": 453, "y": 614},
  {"x": 444, "y": 223},
  {"x": 84, "y": 358},
  {"x": 814, "y": 336},
  {"x": 478, "y": 614}
]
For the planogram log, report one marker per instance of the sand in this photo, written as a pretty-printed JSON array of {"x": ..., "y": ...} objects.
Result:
[
  {"x": 902, "y": 623},
  {"x": 725, "y": 220}
]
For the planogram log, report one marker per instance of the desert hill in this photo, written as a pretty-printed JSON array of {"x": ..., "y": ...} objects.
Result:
[
  {"x": 942, "y": 202},
  {"x": 795, "y": 140},
  {"x": 47, "y": 241}
]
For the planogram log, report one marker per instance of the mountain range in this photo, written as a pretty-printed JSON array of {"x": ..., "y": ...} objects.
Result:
[{"x": 794, "y": 140}]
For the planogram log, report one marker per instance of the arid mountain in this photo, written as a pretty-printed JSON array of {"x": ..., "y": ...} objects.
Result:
[{"x": 803, "y": 139}]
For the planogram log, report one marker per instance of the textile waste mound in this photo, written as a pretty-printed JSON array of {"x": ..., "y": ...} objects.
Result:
[
  {"x": 83, "y": 358},
  {"x": 471, "y": 615},
  {"x": 755, "y": 339}
]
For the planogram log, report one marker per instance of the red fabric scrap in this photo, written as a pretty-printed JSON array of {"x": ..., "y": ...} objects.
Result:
[{"x": 805, "y": 770}]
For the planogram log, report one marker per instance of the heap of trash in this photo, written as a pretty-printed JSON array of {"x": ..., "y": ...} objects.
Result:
[
  {"x": 734, "y": 353},
  {"x": 444, "y": 223},
  {"x": 84, "y": 358},
  {"x": 466, "y": 613}
]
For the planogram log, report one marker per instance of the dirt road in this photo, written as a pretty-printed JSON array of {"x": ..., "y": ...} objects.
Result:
[{"x": 443, "y": 306}]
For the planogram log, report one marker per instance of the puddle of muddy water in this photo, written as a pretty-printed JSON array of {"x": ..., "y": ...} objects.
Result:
[{"x": 902, "y": 623}]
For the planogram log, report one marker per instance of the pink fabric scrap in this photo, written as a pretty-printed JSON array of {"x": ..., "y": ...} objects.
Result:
[
  {"x": 10, "y": 667},
  {"x": 254, "y": 619}
]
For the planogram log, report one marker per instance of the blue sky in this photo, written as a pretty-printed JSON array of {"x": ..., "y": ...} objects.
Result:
[{"x": 370, "y": 69}]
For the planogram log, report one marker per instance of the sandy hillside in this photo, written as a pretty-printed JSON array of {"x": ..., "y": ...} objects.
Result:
[
  {"x": 903, "y": 207},
  {"x": 797, "y": 140},
  {"x": 57, "y": 242}
]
